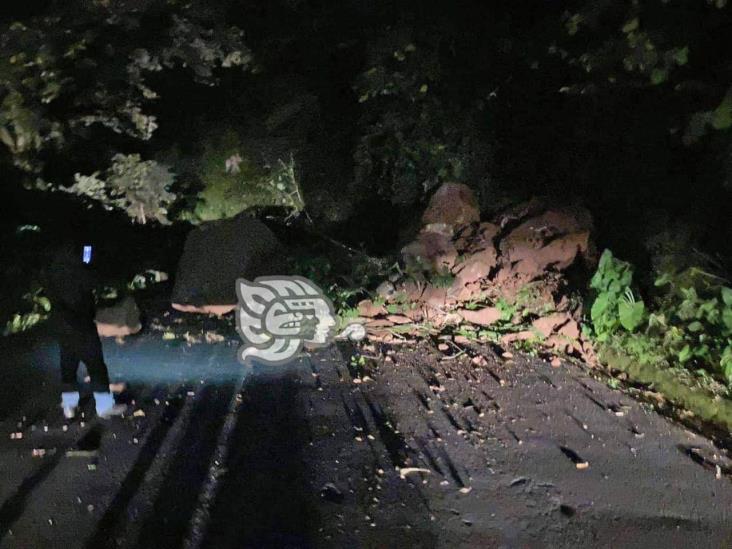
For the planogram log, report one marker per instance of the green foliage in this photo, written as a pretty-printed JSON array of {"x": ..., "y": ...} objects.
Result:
[
  {"x": 144, "y": 280},
  {"x": 233, "y": 182},
  {"x": 690, "y": 324},
  {"x": 614, "y": 305},
  {"x": 139, "y": 188},
  {"x": 35, "y": 309},
  {"x": 90, "y": 65},
  {"x": 652, "y": 47}
]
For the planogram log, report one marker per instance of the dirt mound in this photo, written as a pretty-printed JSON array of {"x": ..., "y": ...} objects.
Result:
[
  {"x": 505, "y": 279},
  {"x": 216, "y": 253}
]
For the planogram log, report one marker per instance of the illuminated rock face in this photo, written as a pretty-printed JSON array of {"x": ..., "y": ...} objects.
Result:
[
  {"x": 521, "y": 258},
  {"x": 453, "y": 204},
  {"x": 215, "y": 254}
]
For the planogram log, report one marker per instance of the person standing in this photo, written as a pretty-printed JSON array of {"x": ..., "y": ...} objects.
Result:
[{"x": 70, "y": 286}]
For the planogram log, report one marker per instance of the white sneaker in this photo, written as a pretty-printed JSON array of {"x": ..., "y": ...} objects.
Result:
[
  {"x": 107, "y": 407},
  {"x": 70, "y": 403}
]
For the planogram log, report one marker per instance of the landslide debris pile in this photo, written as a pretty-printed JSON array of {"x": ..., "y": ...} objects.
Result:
[{"x": 509, "y": 279}]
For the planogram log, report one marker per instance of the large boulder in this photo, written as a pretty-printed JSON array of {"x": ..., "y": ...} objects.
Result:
[
  {"x": 550, "y": 241},
  {"x": 433, "y": 250},
  {"x": 118, "y": 320},
  {"x": 215, "y": 254},
  {"x": 453, "y": 204}
]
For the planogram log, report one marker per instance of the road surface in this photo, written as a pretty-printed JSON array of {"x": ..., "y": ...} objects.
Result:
[{"x": 412, "y": 448}]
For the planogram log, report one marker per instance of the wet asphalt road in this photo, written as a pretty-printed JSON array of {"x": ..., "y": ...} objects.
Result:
[{"x": 419, "y": 450}]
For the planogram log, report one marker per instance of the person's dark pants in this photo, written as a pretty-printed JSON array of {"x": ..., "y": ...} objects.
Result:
[{"x": 82, "y": 345}]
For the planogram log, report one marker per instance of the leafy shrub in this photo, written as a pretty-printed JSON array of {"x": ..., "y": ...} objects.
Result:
[
  {"x": 689, "y": 325},
  {"x": 615, "y": 305},
  {"x": 139, "y": 188},
  {"x": 233, "y": 182},
  {"x": 90, "y": 65},
  {"x": 695, "y": 321},
  {"x": 35, "y": 309}
]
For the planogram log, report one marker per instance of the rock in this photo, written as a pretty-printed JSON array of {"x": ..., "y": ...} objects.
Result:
[
  {"x": 571, "y": 330},
  {"x": 412, "y": 290},
  {"x": 369, "y": 309},
  {"x": 467, "y": 292},
  {"x": 380, "y": 335},
  {"x": 556, "y": 363},
  {"x": 452, "y": 319},
  {"x": 551, "y": 240},
  {"x": 488, "y": 232},
  {"x": 432, "y": 251},
  {"x": 216, "y": 253},
  {"x": 518, "y": 336},
  {"x": 385, "y": 290},
  {"x": 548, "y": 324},
  {"x": 482, "y": 317},
  {"x": 119, "y": 320},
  {"x": 415, "y": 315},
  {"x": 434, "y": 297},
  {"x": 399, "y": 319},
  {"x": 453, "y": 204},
  {"x": 461, "y": 340},
  {"x": 475, "y": 267},
  {"x": 559, "y": 344}
]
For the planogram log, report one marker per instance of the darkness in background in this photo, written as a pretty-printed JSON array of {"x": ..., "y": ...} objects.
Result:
[{"x": 612, "y": 151}]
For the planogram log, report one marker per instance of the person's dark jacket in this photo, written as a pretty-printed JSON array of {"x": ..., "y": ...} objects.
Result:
[{"x": 70, "y": 286}]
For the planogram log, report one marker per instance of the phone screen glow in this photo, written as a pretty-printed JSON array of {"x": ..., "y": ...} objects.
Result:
[{"x": 87, "y": 254}]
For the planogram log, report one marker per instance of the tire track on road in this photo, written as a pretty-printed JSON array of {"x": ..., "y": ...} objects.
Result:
[{"x": 114, "y": 519}]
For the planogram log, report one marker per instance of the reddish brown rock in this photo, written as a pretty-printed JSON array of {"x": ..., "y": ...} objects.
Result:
[
  {"x": 399, "y": 319},
  {"x": 414, "y": 314},
  {"x": 379, "y": 323},
  {"x": 475, "y": 267},
  {"x": 383, "y": 336},
  {"x": 453, "y": 204},
  {"x": 412, "y": 290},
  {"x": 434, "y": 297},
  {"x": 482, "y": 317},
  {"x": 432, "y": 250},
  {"x": 369, "y": 309},
  {"x": 462, "y": 293},
  {"x": 551, "y": 240},
  {"x": 488, "y": 232},
  {"x": 571, "y": 330},
  {"x": 558, "y": 343},
  {"x": 518, "y": 336},
  {"x": 548, "y": 324}
]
